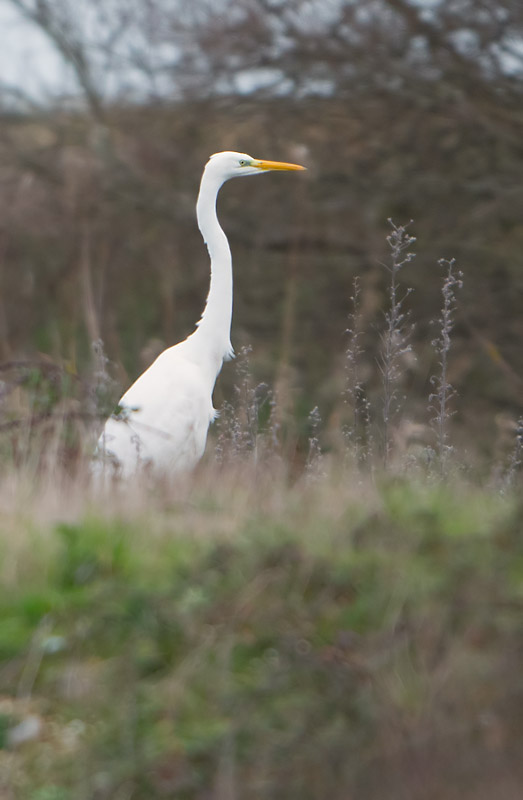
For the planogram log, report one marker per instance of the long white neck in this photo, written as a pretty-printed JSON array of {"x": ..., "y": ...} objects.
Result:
[{"x": 214, "y": 328}]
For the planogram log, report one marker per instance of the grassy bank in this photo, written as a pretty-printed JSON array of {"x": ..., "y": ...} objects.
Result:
[{"x": 240, "y": 636}]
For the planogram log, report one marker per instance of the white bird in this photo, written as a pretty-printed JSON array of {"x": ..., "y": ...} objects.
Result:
[{"x": 163, "y": 418}]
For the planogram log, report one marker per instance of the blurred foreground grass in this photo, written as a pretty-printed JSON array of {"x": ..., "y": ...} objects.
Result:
[{"x": 239, "y": 636}]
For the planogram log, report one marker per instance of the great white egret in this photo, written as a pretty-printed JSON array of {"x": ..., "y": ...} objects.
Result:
[{"x": 163, "y": 418}]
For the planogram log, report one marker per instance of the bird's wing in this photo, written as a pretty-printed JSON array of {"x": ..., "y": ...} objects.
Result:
[{"x": 163, "y": 417}]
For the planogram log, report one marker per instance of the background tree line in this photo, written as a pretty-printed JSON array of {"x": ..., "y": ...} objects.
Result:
[{"x": 400, "y": 109}]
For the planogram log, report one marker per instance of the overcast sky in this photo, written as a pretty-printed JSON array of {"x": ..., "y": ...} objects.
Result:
[
  {"x": 30, "y": 64},
  {"x": 27, "y": 60}
]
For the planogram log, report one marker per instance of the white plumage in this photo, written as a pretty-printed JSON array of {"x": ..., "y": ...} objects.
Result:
[{"x": 164, "y": 416}]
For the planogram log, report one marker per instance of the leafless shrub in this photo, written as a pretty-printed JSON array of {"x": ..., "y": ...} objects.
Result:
[
  {"x": 443, "y": 391},
  {"x": 358, "y": 433},
  {"x": 240, "y": 425},
  {"x": 515, "y": 459},
  {"x": 395, "y": 338},
  {"x": 102, "y": 389},
  {"x": 314, "y": 463},
  {"x": 47, "y": 413}
]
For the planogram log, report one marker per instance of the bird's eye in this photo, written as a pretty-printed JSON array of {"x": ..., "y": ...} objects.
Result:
[{"x": 243, "y": 162}]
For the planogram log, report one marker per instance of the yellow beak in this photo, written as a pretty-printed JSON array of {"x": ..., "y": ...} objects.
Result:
[{"x": 275, "y": 165}]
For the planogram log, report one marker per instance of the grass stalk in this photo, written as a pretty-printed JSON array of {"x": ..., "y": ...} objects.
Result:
[
  {"x": 443, "y": 392},
  {"x": 395, "y": 336}
]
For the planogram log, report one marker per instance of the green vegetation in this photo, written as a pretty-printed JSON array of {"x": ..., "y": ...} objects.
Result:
[{"x": 240, "y": 636}]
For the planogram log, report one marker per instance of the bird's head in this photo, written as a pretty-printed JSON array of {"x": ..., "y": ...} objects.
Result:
[{"x": 233, "y": 165}]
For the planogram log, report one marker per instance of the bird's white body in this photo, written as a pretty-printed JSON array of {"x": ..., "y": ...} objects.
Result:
[{"x": 163, "y": 418}]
